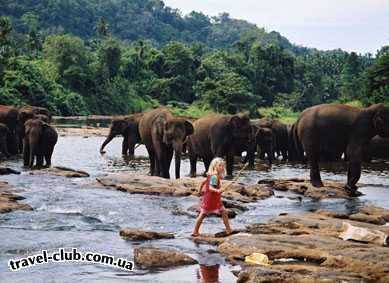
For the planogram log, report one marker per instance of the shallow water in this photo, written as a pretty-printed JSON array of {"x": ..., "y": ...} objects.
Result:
[{"x": 71, "y": 213}]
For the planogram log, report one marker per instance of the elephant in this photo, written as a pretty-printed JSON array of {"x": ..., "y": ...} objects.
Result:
[
  {"x": 162, "y": 133},
  {"x": 29, "y": 112},
  {"x": 9, "y": 117},
  {"x": 4, "y": 133},
  {"x": 128, "y": 128},
  {"x": 280, "y": 136},
  {"x": 340, "y": 128},
  {"x": 218, "y": 136},
  {"x": 377, "y": 148},
  {"x": 261, "y": 143},
  {"x": 39, "y": 141}
]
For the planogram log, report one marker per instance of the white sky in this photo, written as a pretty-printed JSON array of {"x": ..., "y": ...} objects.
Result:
[{"x": 353, "y": 25}]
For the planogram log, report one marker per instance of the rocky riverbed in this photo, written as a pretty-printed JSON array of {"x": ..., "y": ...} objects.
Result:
[{"x": 115, "y": 208}]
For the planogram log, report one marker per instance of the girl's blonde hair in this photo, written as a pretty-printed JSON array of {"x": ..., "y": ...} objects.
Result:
[{"x": 212, "y": 167}]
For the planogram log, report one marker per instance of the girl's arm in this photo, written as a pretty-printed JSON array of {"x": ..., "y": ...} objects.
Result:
[{"x": 213, "y": 185}]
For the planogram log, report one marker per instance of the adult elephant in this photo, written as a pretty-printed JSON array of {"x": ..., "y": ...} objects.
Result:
[
  {"x": 340, "y": 128},
  {"x": 38, "y": 142},
  {"x": 218, "y": 136},
  {"x": 128, "y": 128},
  {"x": 280, "y": 135},
  {"x": 9, "y": 117},
  {"x": 162, "y": 133},
  {"x": 30, "y": 112},
  {"x": 261, "y": 143}
]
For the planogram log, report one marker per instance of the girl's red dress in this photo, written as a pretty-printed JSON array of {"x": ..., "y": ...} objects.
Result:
[{"x": 211, "y": 202}]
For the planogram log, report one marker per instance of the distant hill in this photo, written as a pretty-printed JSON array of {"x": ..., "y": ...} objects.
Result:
[{"x": 136, "y": 19}]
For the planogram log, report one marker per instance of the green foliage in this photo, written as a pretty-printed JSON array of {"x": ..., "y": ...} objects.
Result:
[
  {"x": 117, "y": 56},
  {"x": 285, "y": 115},
  {"x": 378, "y": 79}
]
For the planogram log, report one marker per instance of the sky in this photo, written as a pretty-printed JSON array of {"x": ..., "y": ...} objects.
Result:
[{"x": 352, "y": 25}]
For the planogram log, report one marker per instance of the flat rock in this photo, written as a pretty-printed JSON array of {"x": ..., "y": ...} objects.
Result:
[
  {"x": 331, "y": 189},
  {"x": 9, "y": 201},
  {"x": 61, "y": 171},
  {"x": 141, "y": 235},
  {"x": 152, "y": 185},
  {"x": 195, "y": 209},
  {"x": 150, "y": 257},
  {"x": 306, "y": 247}
]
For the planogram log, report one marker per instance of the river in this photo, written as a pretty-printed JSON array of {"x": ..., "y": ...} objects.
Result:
[{"x": 73, "y": 213}]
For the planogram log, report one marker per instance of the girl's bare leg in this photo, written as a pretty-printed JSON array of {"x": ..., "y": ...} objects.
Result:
[
  {"x": 199, "y": 220},
  {"x": 226, "y": 222}
]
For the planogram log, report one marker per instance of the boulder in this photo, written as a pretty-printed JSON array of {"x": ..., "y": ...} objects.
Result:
[
  {"x": 9, "y": 200},
  {"x": 141, "y": 235},
  {"x": 61, "y": 171},
  {"x": 331, "y": 189},
  {"x": 143, "y": 184},
  {"x": 150, "y": 257},
  {"x": 306, "y": 247}
]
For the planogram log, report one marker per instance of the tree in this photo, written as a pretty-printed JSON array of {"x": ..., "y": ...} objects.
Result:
[{"x": 69, "y": 55}]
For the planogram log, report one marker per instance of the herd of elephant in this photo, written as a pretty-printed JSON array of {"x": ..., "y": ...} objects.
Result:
[
  {"x": 27, "y": 130},
  {"x": 322, "y": 133}
]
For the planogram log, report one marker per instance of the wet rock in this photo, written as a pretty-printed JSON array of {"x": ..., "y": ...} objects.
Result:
[
  {"x": 7, "y": 171},
  {"x": 141, "y": 235},
  {"x": 61, "y": 171},
  {"x": 150, "y": 257},
  {"x": 152, "y": 185},
  {"x": 331, "y": 189},
  {"x": 195, "y": 209},
  {"x": 306, "y": 247},
  {"x": 9, "y": 200}
]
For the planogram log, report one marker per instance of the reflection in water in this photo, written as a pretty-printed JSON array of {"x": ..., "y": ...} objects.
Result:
[
  {"x": 209, "y": 264},
  {"x": 208, "y": 274}
]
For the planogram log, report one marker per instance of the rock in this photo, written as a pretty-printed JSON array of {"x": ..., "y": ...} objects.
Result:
[
  {"x": 150, "y": 257},
  {"x": 230, "y": 211},
  {"x": 141, "y": 235},
  {"x": 331, "y": 189},
  {"x": 61, "y": 171},
  {"x": 307, "y": 248},
  {"x": 7, "y": 171},
  {"x": 9, "y": 200},
  {"x": 152, "y": 185}
]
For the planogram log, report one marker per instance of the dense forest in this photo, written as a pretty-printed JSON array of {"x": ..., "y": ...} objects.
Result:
[{"x": 113, "y": 57}]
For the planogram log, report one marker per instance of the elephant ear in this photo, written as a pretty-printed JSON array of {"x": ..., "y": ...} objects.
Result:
[{"x": 188, "y": 128}]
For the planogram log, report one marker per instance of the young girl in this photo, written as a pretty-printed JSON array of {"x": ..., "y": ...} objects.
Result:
[{"x": 211, "y": 201}]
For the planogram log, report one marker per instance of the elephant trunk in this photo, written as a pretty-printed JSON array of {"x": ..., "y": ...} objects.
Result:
[
  {"x": 177, "y": 146},
  {"x": 270, "y": 154},
  {"x": 107, "y": 141}
]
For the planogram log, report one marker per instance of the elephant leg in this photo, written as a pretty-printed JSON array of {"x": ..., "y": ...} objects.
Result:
[
  {"x": 125, "y": 146},
  {"x": 207, "y": 162},
  {"x": 312, "y": 150},
  {"x": 48, "y": 157},
  {"x": 230, "y": 162},
  {"x": 192, "y": 159},
  {"x": 161, "y": 156},
  {"x": 151, "y": 153},
  {"x": 26, "y": 153},
  {"x": 167, "y": 161},
  {"x": 355, "y": 155},
  {"x": 39, "y": 161}
]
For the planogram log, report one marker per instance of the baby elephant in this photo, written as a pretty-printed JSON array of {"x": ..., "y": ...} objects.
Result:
[
  {"x": 4, "y": 132},
  {"x": 39, "y": 141}
]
